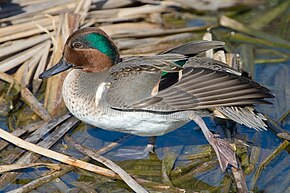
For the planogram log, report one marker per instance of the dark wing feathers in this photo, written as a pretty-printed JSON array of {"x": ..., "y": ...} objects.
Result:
[
  {"x": 209, "y": 63},
  {"x": 202, "y": 91},
  {"x": 195, "y": 47},
  {"x": 214, "y": 88}
]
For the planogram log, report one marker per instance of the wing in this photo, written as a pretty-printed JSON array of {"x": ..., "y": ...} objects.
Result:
[
  {"x": 202, "y": 88},
  {"x": 137, "y": 78},
  {"x": 172, "y": 82},
  {"x": 198, "y": 88}
]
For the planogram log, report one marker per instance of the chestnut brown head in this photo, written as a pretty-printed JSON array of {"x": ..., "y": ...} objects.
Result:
[{"x": 89, "y": 49}]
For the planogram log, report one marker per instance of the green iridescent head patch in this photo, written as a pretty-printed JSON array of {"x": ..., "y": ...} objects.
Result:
[{"x": 103, "y": 44}]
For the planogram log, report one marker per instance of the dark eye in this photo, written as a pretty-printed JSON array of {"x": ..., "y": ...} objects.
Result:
[{"x": 77, "y": 45}]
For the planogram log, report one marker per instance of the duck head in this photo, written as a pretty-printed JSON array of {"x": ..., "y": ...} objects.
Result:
[{"x": 89, "y": 49}]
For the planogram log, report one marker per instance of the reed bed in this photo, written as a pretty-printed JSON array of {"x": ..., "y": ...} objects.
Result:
[{"x": 37, "y": 127}]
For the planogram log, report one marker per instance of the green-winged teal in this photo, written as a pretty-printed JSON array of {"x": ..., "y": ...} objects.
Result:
[{"x": 153, "y": 95}]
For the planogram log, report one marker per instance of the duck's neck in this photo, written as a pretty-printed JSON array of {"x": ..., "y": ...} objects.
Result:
[{"x": 79, "y": 89}]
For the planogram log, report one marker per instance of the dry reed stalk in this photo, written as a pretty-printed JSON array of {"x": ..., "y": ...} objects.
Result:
[
  {"x": 46, "y": 128},
  {"x": 18, "y": 75},
  {"x": 33, "y": 138},
  {"x": 46, "y": 7},
  {"x": 29, "y": 70},
  {"x": 112, "y": 4},
  {"x": 171, "y": 40},
  {"x": 12, "y": 167},
  {"x": 126, "y": 13},
  {"x": 24, "y": 34},
  {"x": 22, "y": 44},
  {"x": 42, "y": 180},
  {"x": 55, "y": 155},
  {"x": 142, "y": 10},
  {"x": 254, "y": 158},
  {"x": 30, "y": 157},
  {"x": 64, "y": 7},
  {"x": 17, "y": 59},
  {"x": 7, "y": 78},
  {"x": 53, "y": 97},
  {"x": 34, "y": 104},
  {"x": 162, "y": 32},
  {"x": 29, "y": 2},
  {"x": 129, "y": 28},
  {"x": 19, "y": 132},
  {"x": 240, "y": 180},
  {"x": 161, "y": 187},
  {"x": 206, "y": 152},
  {"x": 29, "y": 25},
  {"x": 38, "y": 133},
  {"x": 97, "y": 21},
  {"x": 208, "y": 36},
  {"x": 108, "y": 163},
  {"x": 82, "y": 9},
  {"x": 65, "y": 169},
  {"x": 277, "y": 129},
  {"x": 22, "y": 20},
  {"x": 36, "y": 83}
]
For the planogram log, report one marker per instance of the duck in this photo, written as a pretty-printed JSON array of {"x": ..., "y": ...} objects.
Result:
[{"x": 153, "y": 95}]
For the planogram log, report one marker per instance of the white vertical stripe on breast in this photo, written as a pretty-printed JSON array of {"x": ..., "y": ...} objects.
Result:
[{"x": 100, "y": 91}]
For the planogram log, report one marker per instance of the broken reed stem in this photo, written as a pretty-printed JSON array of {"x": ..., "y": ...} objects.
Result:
[
  {"x": 30, "y": 157},
  {"x": 23, "y": 44},
  {"x": 55, "y": 155},
  {"x": 11, "y": 167},
  {"x": 240, "y": 180},
  {"x": 31, "y": 128},
  {"x": 123, "y": 174},
  {"x": 34, "y": 104},
  {"x": 42, "y": 180},
  {"x": 7, "y": 78},
  {"x": 17, "y": 59},
  {"x": 163, "y": 32},
  {"x": 65, "y": 169}
]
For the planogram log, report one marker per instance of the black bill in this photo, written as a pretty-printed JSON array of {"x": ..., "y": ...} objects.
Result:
[{"x": 61, "y": 66}]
